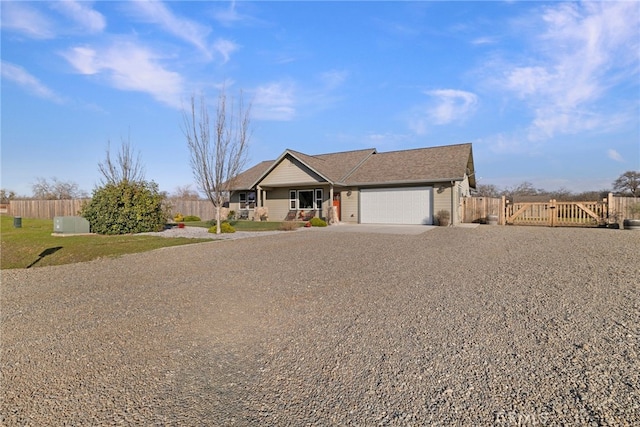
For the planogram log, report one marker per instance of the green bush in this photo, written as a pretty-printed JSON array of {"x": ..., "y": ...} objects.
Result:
[
  {"x": 318, "y": 222},
  {"x": 126, "y": 207},
  {"x": 231, "y": 216},
  {"x": 191, "y": 218},
  {"x": 225, "y": 227}
]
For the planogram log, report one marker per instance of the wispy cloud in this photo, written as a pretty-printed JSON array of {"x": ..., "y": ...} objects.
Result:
[
  {"x": 225, "y": 48},
  {"x": 446, "y": 106},
  {"x": 614, "y": 155},
  {"x": 484, "y": 40},
  {"x": 20, "y": 76},
  {"x": 190, "y": 31},
  {"x": 274, "y": 101},
  {"x": 82, "y": 13},
  {"x": 128, "y": 66},
  {"x": 334, "y": 78},
  {"x": 22, "y": 18},
  {"x": 585, "y": 50}
]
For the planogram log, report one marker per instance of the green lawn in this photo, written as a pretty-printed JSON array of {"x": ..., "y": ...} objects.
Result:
[
  {"x": 33, "y": 245},
  {"x": 243, "y": 225}
]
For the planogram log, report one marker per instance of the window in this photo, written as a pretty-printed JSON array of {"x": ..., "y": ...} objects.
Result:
[
  {"x": 292, "y": 200},
  {"x": 247, "y": 200},
  {"x": 305, "y": 199}
]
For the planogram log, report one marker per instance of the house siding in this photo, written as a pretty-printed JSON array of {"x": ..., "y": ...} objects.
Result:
[
  {"x": 349, "y": 207},
  {"x": 290, "y": 171},
  {"x": 277, "y": 201},
  {"x": 441, "y": 199}
]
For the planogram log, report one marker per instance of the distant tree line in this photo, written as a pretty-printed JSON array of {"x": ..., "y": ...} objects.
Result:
[{"x": 627, "y": 184}]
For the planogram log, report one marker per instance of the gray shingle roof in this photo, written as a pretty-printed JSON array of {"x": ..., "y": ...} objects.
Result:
[
  {"x": 335, "y": 166},
  {"x": 424, "y": 164},
  {"x": 368, "y": 167}
]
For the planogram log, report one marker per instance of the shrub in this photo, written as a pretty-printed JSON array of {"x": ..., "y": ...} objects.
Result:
[
  {"x": 225, "y": 227},
  {"x": 318, "y": 222},
  {"x": 231, "y": 216},
  {"x": 191, "y": 218},
  {"x": 288, "y": 226},
  {"x": 178, "y": 217},
  {"x": 125, "y": 207}
]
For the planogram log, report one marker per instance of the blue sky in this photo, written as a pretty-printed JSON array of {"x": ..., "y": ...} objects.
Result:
[{"x": 546, "y": 92}]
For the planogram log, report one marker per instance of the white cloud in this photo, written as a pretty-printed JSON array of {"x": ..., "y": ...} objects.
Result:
[
  {"x": 185, "y": 29},
  {"x": 484, "y": 41},
  {"x": 614, "y": 155},
  {"x": 334, "y": 78},
  {"x": 582, "y": 51},
  {"x": 130, "y": 67},
  {"x": 21, "y": 17},
  {"x": 82, "y": 13},
  {"x": 274, "y": 101},
  {"x": 446, "y": 106},
  {"x": 20, "y": 76},
  {"x": 225, "y": 48}
]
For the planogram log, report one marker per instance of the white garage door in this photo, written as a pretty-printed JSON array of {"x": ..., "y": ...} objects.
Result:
[{"x": 406, "y": 205}]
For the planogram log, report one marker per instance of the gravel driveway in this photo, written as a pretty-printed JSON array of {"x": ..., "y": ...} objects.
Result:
[{"x": 488, "y": 326}]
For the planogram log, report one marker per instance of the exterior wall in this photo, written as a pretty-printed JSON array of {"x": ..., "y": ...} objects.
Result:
[
  {"x": 290, "y": 171},
  {"x": 277, "y": 201},
  {"x": 349, "y": 206},
  {"x": 442, "y": 199}
]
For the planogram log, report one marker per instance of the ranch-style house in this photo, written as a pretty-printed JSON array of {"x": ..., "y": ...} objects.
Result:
[{"x": 362, "y": 186}]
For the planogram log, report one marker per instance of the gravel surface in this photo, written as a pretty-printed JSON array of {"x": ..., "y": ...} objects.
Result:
[{"x": 488, "y": 326}]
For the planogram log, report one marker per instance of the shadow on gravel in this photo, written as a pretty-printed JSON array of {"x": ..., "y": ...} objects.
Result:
[{"x": 46, "y": 252}]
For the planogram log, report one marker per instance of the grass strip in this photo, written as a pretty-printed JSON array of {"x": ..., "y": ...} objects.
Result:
[{"x": 32, "y": 245}]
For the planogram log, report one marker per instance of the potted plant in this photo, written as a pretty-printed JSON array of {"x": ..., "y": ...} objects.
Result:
[
  {"x": 633, "y": 222},
  {"x": 443, "y": 217}
]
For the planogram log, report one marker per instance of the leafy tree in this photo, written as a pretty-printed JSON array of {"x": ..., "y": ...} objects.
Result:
[
  {"x": 218, "y": 152},
  {"x": 126, "y": 207},
  {"x": 55, "y": 189},
  {"x": 6, "y": 196},
  {"x": 628, "y": 184},
  {"x": 125, "y": 203}
]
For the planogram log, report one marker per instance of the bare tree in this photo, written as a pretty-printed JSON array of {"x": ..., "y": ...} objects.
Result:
[
  {"x": 628, "y": 183},
  {"x": 185, "y": 192},
  {"x": 55, "y": 189},
  {"x": 487, "y": 190},
  {"x": 218, "y": 150},
  {"x": 125, "y": 167}
]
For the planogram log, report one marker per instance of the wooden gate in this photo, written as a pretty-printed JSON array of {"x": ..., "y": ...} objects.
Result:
[{"x": 557, "y": 214}]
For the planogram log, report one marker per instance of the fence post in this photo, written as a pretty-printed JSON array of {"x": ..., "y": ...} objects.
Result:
[
  {"x": 552, "y": 214},
  {"x": 503, "y": 210}
]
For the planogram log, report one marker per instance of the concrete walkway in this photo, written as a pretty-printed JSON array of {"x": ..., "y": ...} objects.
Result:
[{"x": 387, "y": 228}]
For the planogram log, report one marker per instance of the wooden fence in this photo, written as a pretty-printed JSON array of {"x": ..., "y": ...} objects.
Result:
[
  {"x": 476, "y": 209},
  {"x": 45, "y": 209},
  {"x": 48, "y": 209},
  {"x": 609, "y": 211},
  {"x": 200, "y": 208}
]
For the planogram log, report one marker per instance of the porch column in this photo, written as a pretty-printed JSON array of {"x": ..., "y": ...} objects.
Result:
[
  {"x": 258, "y": 197},
  {"x": 332, "y": 212}
]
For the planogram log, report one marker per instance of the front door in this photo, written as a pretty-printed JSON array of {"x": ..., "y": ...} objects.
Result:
[{"x": 336, "y": 204}]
